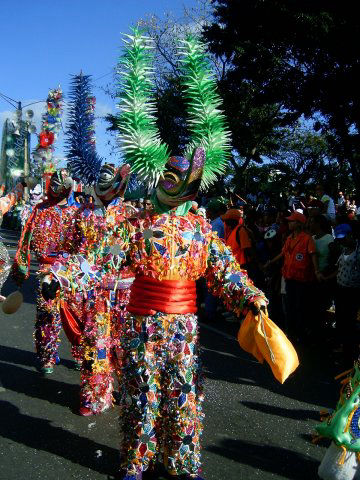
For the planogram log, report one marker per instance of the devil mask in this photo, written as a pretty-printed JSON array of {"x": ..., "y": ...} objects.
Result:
[
  {"x": 60, "y": 185},
  {"x": 112, "y": 182},
  {"x": 181, "y": 179}
]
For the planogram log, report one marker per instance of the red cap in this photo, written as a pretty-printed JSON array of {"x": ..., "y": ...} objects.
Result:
[
  {"x": 296, "y": 217},
  {"x": 232, "y": 214}
]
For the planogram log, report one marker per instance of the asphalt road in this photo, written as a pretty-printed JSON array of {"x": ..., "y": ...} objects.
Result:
[{"x": 254, "y": 427}]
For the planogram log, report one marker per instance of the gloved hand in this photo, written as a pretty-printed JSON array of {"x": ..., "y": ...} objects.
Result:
[
  {"x": 256, "y": 306},
  {"x": 49, "y": 288}
]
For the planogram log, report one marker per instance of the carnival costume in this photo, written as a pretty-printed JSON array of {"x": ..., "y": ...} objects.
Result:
[
  {"x": 97, "y": 270},
  {"x": 7, "y": 202},
  {"x": 341, "y": 461},
  {"x": 169, "y": 250},
  {"x": 45, "y": 233}
]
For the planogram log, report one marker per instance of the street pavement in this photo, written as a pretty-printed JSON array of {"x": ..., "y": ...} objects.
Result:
[{"x": 254, "y": 428}]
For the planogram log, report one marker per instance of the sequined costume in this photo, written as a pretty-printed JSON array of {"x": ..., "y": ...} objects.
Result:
[
  {"x": 45, "y": 234},
  {"x": 7, "y": 202},
  {"x": 101, "y": 259},
  {"x": 98, "y": 272},
  {"x": 162, "y": 394}
]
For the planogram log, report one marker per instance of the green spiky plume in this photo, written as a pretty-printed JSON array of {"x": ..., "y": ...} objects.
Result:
[
  {"x": 139, "y": 136},
  {"x": 206, "y": 121}
]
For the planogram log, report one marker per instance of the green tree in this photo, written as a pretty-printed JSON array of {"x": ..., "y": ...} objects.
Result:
[{"x": 302, "y": 56}]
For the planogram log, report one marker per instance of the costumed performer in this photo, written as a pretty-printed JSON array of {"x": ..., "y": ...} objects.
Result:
[
  {"x": 45, "y": 233},
  {"x": 98, "y": 271},
  {"x": 169, "y": 249},
  {"x": 7, "y": 202}
]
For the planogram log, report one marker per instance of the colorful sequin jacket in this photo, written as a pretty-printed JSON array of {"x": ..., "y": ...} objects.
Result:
[
  {"x": 98, "y": 253},
  {"x": 47, "y": 233},
  {"x": 171, "y": 247}
]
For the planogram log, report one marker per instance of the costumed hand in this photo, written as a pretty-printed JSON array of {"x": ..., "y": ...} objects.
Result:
[
  {"x": 258, "y": 305},
  {"x": 49, "y": 288}
]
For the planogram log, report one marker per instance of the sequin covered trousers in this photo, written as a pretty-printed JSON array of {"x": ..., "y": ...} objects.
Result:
[
  {"x": 100, "y": 346},
  {"x": 161, "y": 416},
  {"x": 47, "y": 329}
]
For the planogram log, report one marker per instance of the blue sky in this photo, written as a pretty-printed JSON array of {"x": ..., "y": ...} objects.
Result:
[{"x": 43, "y": 42}]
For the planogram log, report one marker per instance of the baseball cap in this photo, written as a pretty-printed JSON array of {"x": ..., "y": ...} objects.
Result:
[
  {"x": 297, "y": 217},
  {"x": 340, "y": 231},
  {"x": 232, "y": 214}
]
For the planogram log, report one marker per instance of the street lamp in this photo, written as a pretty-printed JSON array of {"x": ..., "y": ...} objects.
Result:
[{"x": 26, "y": 128}]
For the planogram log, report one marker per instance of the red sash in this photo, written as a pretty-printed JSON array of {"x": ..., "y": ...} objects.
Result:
[
  {"x": 149, "y": 296},
  {"x": 71, "y": 324}
]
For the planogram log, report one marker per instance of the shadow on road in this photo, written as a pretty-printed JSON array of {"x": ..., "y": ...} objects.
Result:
[
  {"x": 24, "y": 357},
  {"x": 226, "y": 361},
  {"x": 20, "y": 428},
  {"x": 33, "y": 384},
  {"x": 294, "y": 414},
  {"x": 269, "y": 458}
]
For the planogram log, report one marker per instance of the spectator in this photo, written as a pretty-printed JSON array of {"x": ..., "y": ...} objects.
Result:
[
  {"x": 341, "y": 199},
  {"x": 300, "y": 269},
  {"x": 269, "y": 219},
  {"x": 215, "y": 208},
  {"x": 237, "y": 236},
  {"x": 315, "y": 208},
  {"x": 328, "y": 203},
  {"x": 321, "y": 230},
  {"x": 324, "y": 291},
  {"x": 347, "y": 297}
]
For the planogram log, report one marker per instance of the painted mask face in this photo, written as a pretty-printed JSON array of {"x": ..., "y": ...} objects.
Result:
[
  {"x": 60, "y": 185},
  {"x": 112, "y": 182},
  {"x": 181, "y": 180}
]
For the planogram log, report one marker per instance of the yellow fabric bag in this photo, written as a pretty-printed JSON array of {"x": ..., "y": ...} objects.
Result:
[{"x": 260, "y": 336}]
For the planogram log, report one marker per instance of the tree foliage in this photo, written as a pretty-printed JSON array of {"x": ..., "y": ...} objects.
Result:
[{"x": 302, "y": 56}]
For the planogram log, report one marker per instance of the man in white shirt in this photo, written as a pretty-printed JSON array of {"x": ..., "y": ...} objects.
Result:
[{"x": 329, "y": 205}]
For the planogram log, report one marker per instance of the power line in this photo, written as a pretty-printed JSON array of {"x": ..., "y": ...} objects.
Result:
[
  {"x": 102, "y": 76},
  {"x": 6, "y": 100},
  {"x": 3, "y": 94}
]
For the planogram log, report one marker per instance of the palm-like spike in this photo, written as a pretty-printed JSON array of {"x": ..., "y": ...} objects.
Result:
[
  {"x": 82, "y": 158},
  {"x": 139, "y": 135},
  {"x": 207, "y": 123}
]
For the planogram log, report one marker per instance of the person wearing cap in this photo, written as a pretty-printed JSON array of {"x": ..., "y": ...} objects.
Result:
[
  {"x": 236, "y": 235},
  {"x": 300, "y": 270}
]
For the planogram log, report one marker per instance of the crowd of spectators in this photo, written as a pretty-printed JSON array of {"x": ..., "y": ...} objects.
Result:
[{"x": 305, "y": 255}]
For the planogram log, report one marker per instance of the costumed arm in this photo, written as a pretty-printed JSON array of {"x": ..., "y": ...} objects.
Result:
[
  {"x": 228, "y": 281},
  {"x": 21, "y": 267},
  {"x": 9, "y": 200},
  {"x": 258, "y": 335}
]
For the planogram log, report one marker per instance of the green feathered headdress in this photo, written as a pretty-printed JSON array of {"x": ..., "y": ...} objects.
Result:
[
  {"x": 139, "y": 135},
  {"x": 206, "y": 121}
]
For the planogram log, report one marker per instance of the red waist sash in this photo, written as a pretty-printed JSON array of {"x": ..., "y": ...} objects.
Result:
[
  {"x": 71, "y": 324},
  {"x": 149, "y": 296}
]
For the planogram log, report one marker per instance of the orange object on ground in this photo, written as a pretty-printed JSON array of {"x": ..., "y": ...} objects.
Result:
[{"x": 260, "y": 336}]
